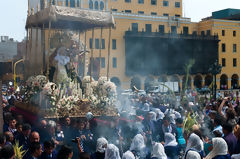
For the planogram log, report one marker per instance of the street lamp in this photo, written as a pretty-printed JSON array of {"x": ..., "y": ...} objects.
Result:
[
  {"x": 14, "y": 75},
  {"x": 215, "y": 69}
]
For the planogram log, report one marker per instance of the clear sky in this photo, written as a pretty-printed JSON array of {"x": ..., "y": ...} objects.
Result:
[{"x": 13, "y": 13}]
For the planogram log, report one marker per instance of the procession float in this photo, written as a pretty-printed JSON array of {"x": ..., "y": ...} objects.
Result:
[{"x": 53, "y": 87}]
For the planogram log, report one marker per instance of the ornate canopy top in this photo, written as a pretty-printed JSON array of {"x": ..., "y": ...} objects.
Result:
[{"x": 70, "y": 18}]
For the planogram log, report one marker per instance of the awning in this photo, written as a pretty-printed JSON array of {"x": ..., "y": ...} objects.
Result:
[{"x": 70, "y": 18}]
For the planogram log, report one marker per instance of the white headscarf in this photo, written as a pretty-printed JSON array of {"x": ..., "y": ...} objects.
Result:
[
  {"x": 146, "y": 107},
  {"x": 112, "y": 152},
  {"x": 193, "y": 155},
  {"x": 220, "y": 147},
  {"x": 158, "y": 151},
  {"x": 170, "y": 140},
  {"x": 128, "y": 155},
  {"x": 194, "y": 142},
  {"x": 160, "y": 114},
  {"x": 154, "y": 115},
  {"x": 172, "y": 118},
  {"x": 138, "y": 145},
  {"x": 177, "y": 115},
  {"x": 100, "y": 143}
]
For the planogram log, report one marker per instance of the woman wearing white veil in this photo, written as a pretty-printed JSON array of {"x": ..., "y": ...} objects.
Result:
[
  {"x": 128, "y": 155},
  {"x": 158, "y": 151},
  {"x": 112, "y": 152},
  {"x": 220, "y": 149},
  {"x": 100, "y": 149},
  {"x": 138, "y": 146},
  {"x": 171, "y": 146},
  {"x": 194, "y": 144}
]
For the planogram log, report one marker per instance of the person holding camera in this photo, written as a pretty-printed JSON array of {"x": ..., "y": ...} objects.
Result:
[{"x": 83, "y": 137}]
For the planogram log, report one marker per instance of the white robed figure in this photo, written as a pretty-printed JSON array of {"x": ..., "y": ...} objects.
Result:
[{"x": 60, "y": 75}]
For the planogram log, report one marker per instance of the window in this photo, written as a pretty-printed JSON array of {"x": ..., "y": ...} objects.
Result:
[
  {"x": 140, "y": 12},
  {"x": 78, "y": 3},
  {"x": 161, "y": 28},
  {"x": 90, "y": 4},
  {"x": 153, "y": 13},
  {"x": 202, "y": 33},
  {"x": 185, "y": 30},
  {"x": 72, "y": 3},
  {"x": 128, "y": 11},
  {"x": 114, "y": 10},
  {"x": 141, "y": 1},
  {"x": 208, "y": 32},
  {"x": 101, "y": 5},
  {"x": 148, "y": 27},
  {"x": 96, "y": 5},
  {"x": 223, "y": 32},
  {"x": 96, "y": 43},
  {"x": 66, "y": 3},
  {"x": 223, "y": 62},
  {"x": 177, "y": 15},
  {"x": 165, "y": 14},
  {"x": 114, "y": 64},
  {"x": 53, "y": 2},
  {"x": 90, "y": 43},
  {"x": 165, "y": 3},
  {"x": 234, "y": 62},
  {"x": 153, "y": 2},
  {"x": 194, "y": 33},
  {"x": 223, "y": 47},
  {"x": 103, "y": 43},
  {"x": 177, "y": 4},
  {"x": 234, "y": 47},
  {"x": 128, "y": 1},
  {"x": 174, "y": 29},
  {"x": 103, "y": 62},
  {"x": 234, "y": 33},
  {"x": 135, "y": 27},
  {"x": 114, "y": 44}
]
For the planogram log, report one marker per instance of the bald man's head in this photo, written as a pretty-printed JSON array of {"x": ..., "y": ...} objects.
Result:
[{"x": 34, "y": 137}]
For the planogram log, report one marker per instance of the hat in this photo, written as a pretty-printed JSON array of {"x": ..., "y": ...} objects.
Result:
[{"x": 89, "y": 116}]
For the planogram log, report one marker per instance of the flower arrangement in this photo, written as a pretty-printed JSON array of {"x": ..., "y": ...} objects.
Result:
[
  {"x": 103, "y": 92},
  {"x": 34, "y": 85}
]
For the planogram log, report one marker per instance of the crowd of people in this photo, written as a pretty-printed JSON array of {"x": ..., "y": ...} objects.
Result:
[{"x": 154, "y": 131}]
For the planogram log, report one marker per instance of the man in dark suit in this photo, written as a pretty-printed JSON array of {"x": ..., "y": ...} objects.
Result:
[
  {"x": 35, "y": 150},
  {"x": 23, "y": 137},
  {"x": 49, "y": 151}
]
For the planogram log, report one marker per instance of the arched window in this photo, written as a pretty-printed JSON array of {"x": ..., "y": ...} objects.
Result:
[
  {"x": 148, "y": 82},
  {"x": 72, "y": 3},
  {"x": 116, "y": 81},
  {"x": 198, "y": 81},
  {"x": 101, "y": 5},
  {"x": 135, "y": 81},
  {"x": 96, "y": 5},
  {"x": 90, "y": 4},
  {"x": 224, "y": 82},
  {"x": 234, "y": 81},
  {"x": 66, "y": 3}
]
